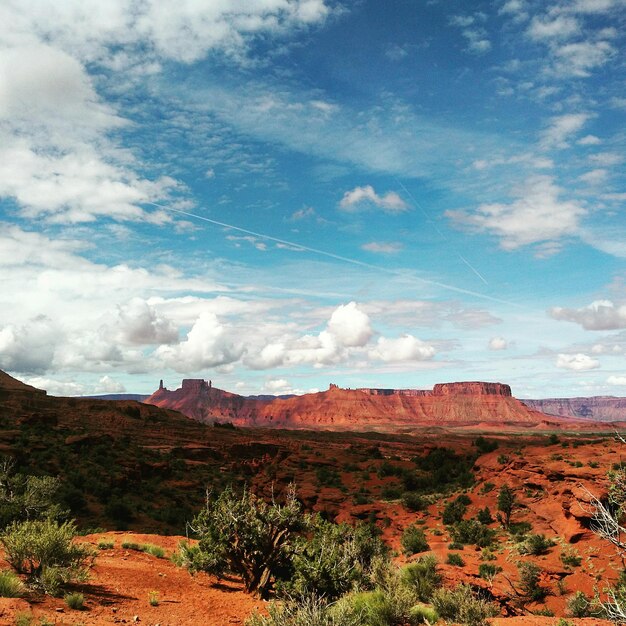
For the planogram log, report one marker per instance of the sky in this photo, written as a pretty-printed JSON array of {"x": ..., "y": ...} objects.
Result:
[{"x": 281, "y": 194}]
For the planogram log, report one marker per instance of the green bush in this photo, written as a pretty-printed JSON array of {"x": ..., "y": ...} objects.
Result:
[
  {"x": 10, "y": 585},
  {"x": 484, "y": 516},
  {"x": 506, "y": 503},
  {"x": 422, "y": 577},
  {"x": 535, "y": 545},
  {"x": 473, "y": 532},
  {"x": 461, "y": 605},
  {"x": 246, "y": 536},
  {"x": 488, "y": 571},
  {"x": 105, "y": 544},
  {"x": 529, "y": 581},
  {"x": 578, "y": 605},
  {"x": 75, "y": 601},
  {"x": 150, "y": 548},
  {"x": 454, "y": 511},
  {"x": 455, "y": 559},
  {"x": 309, "y": 611},
  {"x": 332, "y": 560},
  {"x": 413, "y": 501},
  {"x": 485, "y": 445},
  {"x": 44, "y": 550},
  {"x": 413, "y": 540},
  {"x": 422, "y": 614}
]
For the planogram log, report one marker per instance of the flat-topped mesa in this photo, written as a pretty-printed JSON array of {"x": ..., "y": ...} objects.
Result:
[
  {"x": 472, "y": 389},
  {"x": 195, "y": 384}
]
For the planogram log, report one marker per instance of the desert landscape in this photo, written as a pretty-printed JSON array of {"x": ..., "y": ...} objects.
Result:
[{"x": 429, "y": 487}]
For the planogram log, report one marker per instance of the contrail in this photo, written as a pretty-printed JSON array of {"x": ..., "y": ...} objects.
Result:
[
  {"x": 338, "y": 257},
  {"x": 438, "y": 230}
]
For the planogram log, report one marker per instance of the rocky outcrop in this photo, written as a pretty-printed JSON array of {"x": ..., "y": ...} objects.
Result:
[
  {"x": 597, "y": 408},
  {"x": 450, "y": 404}
]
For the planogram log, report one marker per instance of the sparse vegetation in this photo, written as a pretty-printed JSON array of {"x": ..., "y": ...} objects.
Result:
[
  {"x": 530, "y": 588},
  {"x": 413, "y": 540},
  {"x": 11, "y": 585},
  {"x": 75, "y": 601},
  {"x": 506, "y": 504},
  {"x": 154, "y": 598},
  {"x": 535, "y": 545},
  {"x": 105, "y": 544},
  {"x": 455, "y": 559},
  {"x": 461, "y": 605}
]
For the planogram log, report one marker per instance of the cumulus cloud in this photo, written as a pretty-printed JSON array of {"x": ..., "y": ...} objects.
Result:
[
  {"x": 361, "y": 198},
  {"x": 29, "y": 347},
  {"x": 405, "y": 348},
  {"x": 140, "y": 324},
  {"x": 616, "y": 380},
  {"x": 350, "y": 325},
  {"x": 599, "y": 315},
  {"x": 109, "y": 385},
  {"x": 209, "y": 344},
  {"x": 498, "y": 343},
  {"x": 577, "y": 362},
  {"x": 382, "y": 247},
  {"x": 537, "y": 215}
]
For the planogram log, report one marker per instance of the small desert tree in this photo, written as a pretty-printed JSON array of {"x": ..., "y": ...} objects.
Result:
[
  {"x": 506, "y": 504},
  {"x": 244, "y": 535}
]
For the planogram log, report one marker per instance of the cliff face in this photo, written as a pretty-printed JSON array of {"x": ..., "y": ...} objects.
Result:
[
  {"x": 598, "y": 408},
  {"x": 355, "y": 409}
]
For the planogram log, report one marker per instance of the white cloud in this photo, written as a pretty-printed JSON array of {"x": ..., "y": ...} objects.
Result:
[
  {"x": 498, "y": 343},
  {"x": 365, "y": 197},
  {"x": 140, "y": 324},
  {"x": 29, "y": 347},
  {"x": 616, "y": 380},
  {"x": 562, "y": 128},
  {"x": 109, "y": 385},
  {"x": 589, "y": 140},
  {"x": 277, "y": 385},
  {"x": 561, "y": 27},
  {"x": 350, "y": 325},
  {"x": 209, "y": 344},
  {"x": 578, "y": 59},
  {"x": 57, "y": 387},
  {"x": 382, "y": 247},
  {"x": 606, "y": 159},
  {"x": 537, "y": 215},
  {"x": 405, "y": 348},
  {"x": 594, "y": 177},
  {"x": 577, "y": 362},
  {"x": 599, "y": 315}
]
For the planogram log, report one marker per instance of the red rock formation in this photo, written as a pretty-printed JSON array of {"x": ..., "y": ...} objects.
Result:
[{"x": 452, "y": 404}]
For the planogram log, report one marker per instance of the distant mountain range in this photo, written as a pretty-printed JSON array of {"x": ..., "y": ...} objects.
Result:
[{"x": 597, "y": 408}]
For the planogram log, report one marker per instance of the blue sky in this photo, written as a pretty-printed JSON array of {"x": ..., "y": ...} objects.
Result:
[{"x": 278, "y": 195}]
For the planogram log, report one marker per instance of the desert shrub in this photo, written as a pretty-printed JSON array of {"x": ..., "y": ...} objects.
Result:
[
  {"x": 462, "y": 605},
  {"x": 571, "y": 558},
  {"x": 24, "y": 497},
  {"x": 503, "y": 459},
  {"x": 23, "y": 619},
  {"x": 153, "y": 598},
  {"x": 244, "y": 535},
  {"x": 472, "y": 532},
  {"x": 579, "y": 605},
  {"x": 361, "y": 498},
  {"x": 332, "y": 560},
  {"x": 391, "y": 492},
  {"x": 75, "y": 600},
  {"x": 455, "y": 559},
  {"x": 150, "y": 548},
  {"x": 120, "y": 512},
  {"x": 413, "y": 501},
  {"x": 44, "y": 550},
  {"x": 484, "y": 516},
  {"x": 422, "y": 577},
  {"x": 422, "y": 614},
  {"x": 506, "y": 504},
  {"x": 529, "y": 581},
  {"x": 535, "y": 545},
  {"x": 485, "y": 445},
  {"x": 486, "y": 554},
  {"x": 310, "y": 611},
  {"x": 328, "y": 477},
  {"x": 454, "y": 511},
  {"x": 105, "y": 544},
  {"x": 10, "y": 585},
  {"x": 413, "y": 540},
  {"x": 520, "y": 529},
  {"x": 131, "y": 545},
  {"x": 487, "y": 487},
  {"x": 488, "y": 571},
  {"x": 456, "y": 546},
  {"x": 553, "y": 439}
]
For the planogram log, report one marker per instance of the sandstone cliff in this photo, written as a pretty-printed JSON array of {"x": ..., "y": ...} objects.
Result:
[{"x": 450, "y": 404}]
